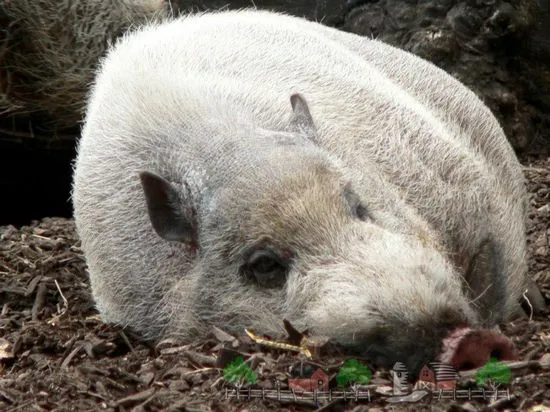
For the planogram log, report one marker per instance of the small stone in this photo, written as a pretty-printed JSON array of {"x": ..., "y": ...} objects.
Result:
[
  {"x": 147, "y": 378},
  {"x": 545, "y": 361},
  {"x": 266, "y": 384},
  {"x": 158, "y": 363},
  {"x": 180, "y": 386}
]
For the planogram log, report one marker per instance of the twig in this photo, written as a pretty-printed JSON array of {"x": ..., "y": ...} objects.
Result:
[
  {"x": 278, "y": 345},
  {"x": 39, "y": 301},
  {"x": 199, "y": 371},
  {"x": 535, "y": 169},
  {"x": 200, "y": 359},
  {"x": 529, "y": 304},
  {"x": 22, "y": 406},
  {"x": 90, "y": 393},
  {"x": 126, "y": 340},
  {"x": 135, "y": 398},
  {"x": 70, "y": 356},
  {"x": 65, "y": 305},
  {"x": 217, "y": 381},
  {"x": 65, "y": 302},
  {"x": 499, "y": 403}
]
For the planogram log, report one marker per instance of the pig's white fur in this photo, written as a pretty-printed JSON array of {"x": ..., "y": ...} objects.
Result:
[{"x": 202, "y": 99}]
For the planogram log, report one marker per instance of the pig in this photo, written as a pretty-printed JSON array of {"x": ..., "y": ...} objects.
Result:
[
  {"x": 243, "y": 167},
  {"x": 50, "y": 49}
]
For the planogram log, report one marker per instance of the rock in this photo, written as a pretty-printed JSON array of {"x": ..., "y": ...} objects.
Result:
[{"x": 499, "y": 49}]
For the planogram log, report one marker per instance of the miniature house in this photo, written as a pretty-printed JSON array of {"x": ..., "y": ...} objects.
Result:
[
  {"x": 426, "y": 379},
  {"x": 436, "y": 376},
  {"x": 318, "y": 382},
  {"x": 446, "y": 376}
]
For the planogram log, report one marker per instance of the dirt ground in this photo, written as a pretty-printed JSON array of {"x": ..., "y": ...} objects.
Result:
[{"x": 56, "y": 354}]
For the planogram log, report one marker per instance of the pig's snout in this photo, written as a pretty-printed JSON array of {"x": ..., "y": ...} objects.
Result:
[{"x": 466, "y": 348}]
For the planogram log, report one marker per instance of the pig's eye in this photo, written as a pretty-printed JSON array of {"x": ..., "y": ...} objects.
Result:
[
  {"x": 357, "y": 208},
  {"x": 267, "y": 269},
  {"x": 361, "y": 212}
]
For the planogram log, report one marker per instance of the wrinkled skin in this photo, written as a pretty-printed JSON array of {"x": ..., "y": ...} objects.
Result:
[{"x": 386, "y": 211}]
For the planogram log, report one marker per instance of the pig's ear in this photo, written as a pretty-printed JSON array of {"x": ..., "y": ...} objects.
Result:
[
  {"x": 171, "y": 217},
  {"x": 487, "y": 288},
  {"x": 484, "y": 276},
  {"x": 301, "y": 117}
]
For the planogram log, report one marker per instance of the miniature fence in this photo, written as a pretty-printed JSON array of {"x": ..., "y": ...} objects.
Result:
[
  {"x": 472, "y": 394},
  {"x": 292, "y": 395}
]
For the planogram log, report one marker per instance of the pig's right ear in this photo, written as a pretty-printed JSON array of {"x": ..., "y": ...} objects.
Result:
[
  {"x": 484, "y": 278},
  {"x": 172, "y": 219},
  {"x": 302, "y": 120}
]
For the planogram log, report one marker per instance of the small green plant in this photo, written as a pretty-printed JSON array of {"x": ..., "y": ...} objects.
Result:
[
  {"x": 353, "y": 373},
  {"x": 494, "y": 374},
  {"x": 238, "y": 373}
]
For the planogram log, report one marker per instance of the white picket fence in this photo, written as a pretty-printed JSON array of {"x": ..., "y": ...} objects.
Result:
[
  {"x": 315, "y": 396},
  {"x": 290, "y": 395},
  {"x": 472, "y": 394}
]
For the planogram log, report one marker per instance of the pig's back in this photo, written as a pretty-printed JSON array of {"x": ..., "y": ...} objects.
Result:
[{"x": 357, "y": 87}]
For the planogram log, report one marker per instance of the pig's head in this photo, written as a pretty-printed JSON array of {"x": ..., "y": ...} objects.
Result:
[{"x": 287, "y": 235}]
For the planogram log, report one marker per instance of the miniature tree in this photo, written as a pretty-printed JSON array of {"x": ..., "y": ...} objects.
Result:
[
  {"x": 494, "y": 373},
  {"x": 238, "y": 373},
  {"x": 353, "y": 373}
]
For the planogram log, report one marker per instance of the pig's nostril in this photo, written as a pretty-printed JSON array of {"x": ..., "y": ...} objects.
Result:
[
  {"x": 496, "y": 354},
  {"x": 466, "y": 366}
]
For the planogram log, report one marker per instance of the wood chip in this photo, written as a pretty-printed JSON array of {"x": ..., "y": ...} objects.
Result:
[
  {"x": 5, "y": 349},
  {"x": 40, "y": 300},
  {"x": 135, "y": 398}
]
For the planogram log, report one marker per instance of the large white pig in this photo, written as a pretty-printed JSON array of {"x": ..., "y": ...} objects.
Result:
[{"x": 237, "y": 168}]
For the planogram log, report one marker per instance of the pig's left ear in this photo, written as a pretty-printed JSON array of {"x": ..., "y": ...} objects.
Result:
[
  {"x": 171, "y": 213},
  {"x": 301, "y": 120}
]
